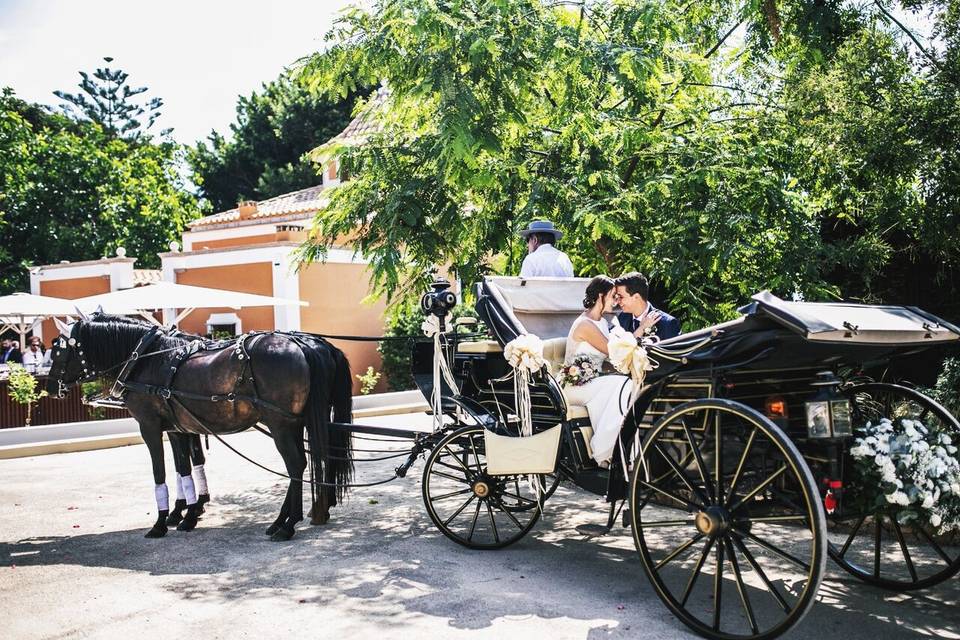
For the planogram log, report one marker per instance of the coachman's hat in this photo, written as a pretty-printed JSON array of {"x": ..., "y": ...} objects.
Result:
[{"x": 541, "y": 226}]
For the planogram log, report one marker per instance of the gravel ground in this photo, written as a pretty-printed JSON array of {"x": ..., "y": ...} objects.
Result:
[{"x": 74, "y": 563}]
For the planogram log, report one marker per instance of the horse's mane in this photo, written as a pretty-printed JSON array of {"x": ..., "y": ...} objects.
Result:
[{"x": 107, "y": 339}]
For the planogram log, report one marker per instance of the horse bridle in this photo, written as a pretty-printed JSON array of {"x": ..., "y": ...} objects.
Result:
[{"x": 70, "y": 344}]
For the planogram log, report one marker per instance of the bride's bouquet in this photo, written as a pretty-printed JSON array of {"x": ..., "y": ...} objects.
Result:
[{"x": 579, "y": 371}]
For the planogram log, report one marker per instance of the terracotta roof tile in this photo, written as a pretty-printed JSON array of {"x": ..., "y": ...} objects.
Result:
[
  {"x": 306, "y": 201},
  {"x": 366, "y": 121}
]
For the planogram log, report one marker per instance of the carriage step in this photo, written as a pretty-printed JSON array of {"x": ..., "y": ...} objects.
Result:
[{"x": 593, "y": 530}]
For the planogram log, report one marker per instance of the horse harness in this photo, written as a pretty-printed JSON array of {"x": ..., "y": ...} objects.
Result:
[{"x": 171, "y": 396}]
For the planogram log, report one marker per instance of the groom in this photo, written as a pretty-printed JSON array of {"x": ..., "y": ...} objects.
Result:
[{"x": 638, "y": 315}]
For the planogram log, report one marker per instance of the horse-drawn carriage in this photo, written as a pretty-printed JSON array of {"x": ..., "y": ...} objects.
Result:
[{"x": 733, "y": 469}]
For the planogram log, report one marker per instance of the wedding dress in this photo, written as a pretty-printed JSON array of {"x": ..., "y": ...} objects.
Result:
[{"x": 605, "y": 397}]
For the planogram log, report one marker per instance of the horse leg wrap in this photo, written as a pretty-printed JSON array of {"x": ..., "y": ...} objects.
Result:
[
  {"x": 200, "y": 477},
  {"x": 163, "y": 497},
  {"x": 189, "y": 492}
]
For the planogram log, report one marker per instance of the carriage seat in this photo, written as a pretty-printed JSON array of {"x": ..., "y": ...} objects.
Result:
[{"x": 554, "y": 351}]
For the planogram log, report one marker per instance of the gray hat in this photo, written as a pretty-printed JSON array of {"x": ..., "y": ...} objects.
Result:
[{"x": 542, "y": 226}]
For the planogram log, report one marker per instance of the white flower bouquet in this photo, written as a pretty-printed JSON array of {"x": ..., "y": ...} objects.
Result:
[
  {"x": 916, "y": 470},
  {"x": 525, "y": 352},
  {"x": 580, "y": 371}
]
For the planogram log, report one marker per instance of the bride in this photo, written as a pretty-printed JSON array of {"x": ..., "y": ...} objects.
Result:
[{"x": 606, "y": 396}]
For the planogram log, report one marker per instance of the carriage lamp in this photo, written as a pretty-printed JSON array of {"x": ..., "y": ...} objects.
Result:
[
  {"x": 828, "y": 412},
  {"x": 775, "y": 408}
]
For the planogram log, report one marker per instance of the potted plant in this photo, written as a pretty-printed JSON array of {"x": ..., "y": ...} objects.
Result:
[{"x": 22, "y": 387}]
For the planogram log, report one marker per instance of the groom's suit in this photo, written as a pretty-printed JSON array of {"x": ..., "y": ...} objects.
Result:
[{"x": 667, "y": 327}]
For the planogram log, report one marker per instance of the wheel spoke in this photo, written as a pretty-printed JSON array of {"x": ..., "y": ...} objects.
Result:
[
  {"x": 459, "y": 466},
  {"x": 451, "y": 494},
  {"x": 741, "y": 588},
  {"x": 672, "y": 496},
  {"x": 515, "y": 521},
  {"x": 936, "y": 547},
  {"x": 473, "y": 525},
  {"x": 760, "y": 487},
  {"x": 771, "y": 588},
  {"x": 784, "y": 518},
  {"x": 696, "y": 572},
  {"x": 676, "y": 552},
  {"x": 666, "y": 523},
  {"x": 853, "y": 534},
  {"x": 718, "y": 587},
  {"x": 448, "y": 476},
  {"x": 493, "y": 523},
  {"x": 903, "y": 549},
  {"x": 455, "y": 457},
  {"x": 476, "y": 457},
  {"x": 743, "y": 459},
  {"x": 681, "y": 474},
  {"x": 773, "y": 549},
  {"x": 459, "y": 511},
  {"x": 701, "y": 465},
  {"x": 718, "y": 457}
]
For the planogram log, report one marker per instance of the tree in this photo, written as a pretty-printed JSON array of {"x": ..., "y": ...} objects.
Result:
[
  {"x": 71, "y": 191},
  {"x": 107, "y": 99},
  {"x": 264, "y": 155},
  {"x": 653, "y": 137}
]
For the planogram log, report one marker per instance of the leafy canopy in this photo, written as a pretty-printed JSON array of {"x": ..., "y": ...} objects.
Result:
[
  {"x": 70, "y": 190},
  {"x": 263, "y": 156},
  {"x": 721, "y": 147}
]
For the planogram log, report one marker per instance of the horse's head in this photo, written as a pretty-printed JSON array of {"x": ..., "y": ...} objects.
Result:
[{"x": 68, "y": 366}]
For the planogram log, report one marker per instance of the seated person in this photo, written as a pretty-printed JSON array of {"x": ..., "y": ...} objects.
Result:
[
  {"x": 33, "y": 357},
  {"x": 605, "y": 397},
  {"x": 638, "y": 315}
]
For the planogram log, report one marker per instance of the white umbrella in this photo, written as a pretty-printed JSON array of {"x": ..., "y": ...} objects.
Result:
[
  {"x": 170, "y": 295},
  {"x": 22, "y": 312}
]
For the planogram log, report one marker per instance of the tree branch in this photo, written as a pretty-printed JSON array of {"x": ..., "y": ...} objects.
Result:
[{"x": 916, "y": 41}]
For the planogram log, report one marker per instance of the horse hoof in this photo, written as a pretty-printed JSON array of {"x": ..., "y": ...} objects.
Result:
[
  {"x": 273, "y": 528},
  {"x": 323, "y": 518},
  {"x": 283, "y": 533},
  {"x": 174, "y": 519},
  {"x": 157, "y": 531},
  {"x": 203, "y": 499},
  {"x": 189, "y": 521}
]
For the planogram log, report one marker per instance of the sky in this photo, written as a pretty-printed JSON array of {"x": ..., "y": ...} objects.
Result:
[{"x": 198, "y": 56}]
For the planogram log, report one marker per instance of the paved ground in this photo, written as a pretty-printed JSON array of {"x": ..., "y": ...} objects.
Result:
[{"x": 74, "y": 563}]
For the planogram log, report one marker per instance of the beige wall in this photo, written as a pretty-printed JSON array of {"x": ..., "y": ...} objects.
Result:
[
  {"x": 233, "y": 242},
  {"x": 335, "y": 292},
  {"x": 247, "y": 278},
  {"x": 71, "y": 289}
]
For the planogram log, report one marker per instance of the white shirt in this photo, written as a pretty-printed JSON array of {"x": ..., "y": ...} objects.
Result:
[
  {"x": 32, "y": 360},
  {"x": 547, "y": 261}
]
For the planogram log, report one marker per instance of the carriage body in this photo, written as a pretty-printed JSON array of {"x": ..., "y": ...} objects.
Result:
[{"x": 720, "y": 454}]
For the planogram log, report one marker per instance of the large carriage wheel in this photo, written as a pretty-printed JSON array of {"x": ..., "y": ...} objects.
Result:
[
  {"x": 874, "y": 547},
  {"x": 732, "y": 534},
  {"x": 468, "y": 505}
]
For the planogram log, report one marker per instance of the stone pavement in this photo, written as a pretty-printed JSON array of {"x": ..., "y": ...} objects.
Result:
[{"x": 74, "y": 563}]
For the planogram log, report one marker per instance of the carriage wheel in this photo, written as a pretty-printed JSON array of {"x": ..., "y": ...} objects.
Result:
[
  {"x": 874, "y": 547},
  {"x": 732, "y": 536},
  {"x": 469, "y": 506}
]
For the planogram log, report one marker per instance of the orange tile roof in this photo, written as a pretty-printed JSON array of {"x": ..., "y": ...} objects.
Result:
[
  {"x": 306, "y": 201},
  {"x": 365, "y": 122}
]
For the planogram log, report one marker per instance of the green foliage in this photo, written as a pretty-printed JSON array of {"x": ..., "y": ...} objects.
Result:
[
  {"x": 22, "y": 388},
  {"x": 947, "y": 389},
  {"x": 264, "y": 155},
  {"x": 71, "y": 191},
  {"x": 107, "y": 99},
  {"x": 818, "y": 157},
  {"x": 368, "y": 380}
]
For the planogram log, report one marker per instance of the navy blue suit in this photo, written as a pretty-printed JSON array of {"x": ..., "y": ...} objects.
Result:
[{"x": 667, "y": 327}]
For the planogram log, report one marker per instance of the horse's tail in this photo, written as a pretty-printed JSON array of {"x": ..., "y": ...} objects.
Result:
[{"x": 331, "y": 456}]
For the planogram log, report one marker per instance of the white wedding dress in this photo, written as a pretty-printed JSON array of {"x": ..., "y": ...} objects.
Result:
[{"x": 606, "y": 397}]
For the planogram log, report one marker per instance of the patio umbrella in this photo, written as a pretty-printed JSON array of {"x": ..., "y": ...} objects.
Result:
[
  {"x": 170, "y": 295},
  {"x": 22, "y": 312}
]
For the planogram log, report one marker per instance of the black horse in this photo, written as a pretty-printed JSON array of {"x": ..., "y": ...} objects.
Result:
[{"x": 176, "y": 383}]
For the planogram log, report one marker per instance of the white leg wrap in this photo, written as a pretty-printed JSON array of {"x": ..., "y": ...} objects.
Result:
[
  {"x": 180, "y": 495},
  {"x": 163, "y": 497},
  {"x": 188, "y": 490},
  {"x": 200, "y": 478}
]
